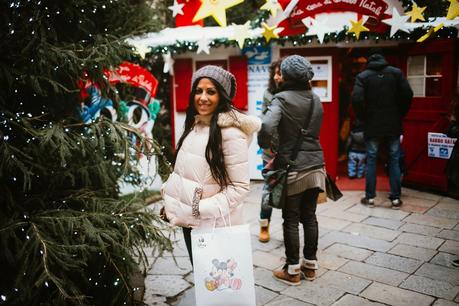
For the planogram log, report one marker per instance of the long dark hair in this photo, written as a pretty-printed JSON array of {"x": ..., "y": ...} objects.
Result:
[
  {"x": 272, "y": 86},
  {"x": 214, "y": 149}
]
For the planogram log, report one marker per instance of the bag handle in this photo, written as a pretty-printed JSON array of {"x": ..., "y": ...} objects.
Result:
[{"x": 223, "y": 217}]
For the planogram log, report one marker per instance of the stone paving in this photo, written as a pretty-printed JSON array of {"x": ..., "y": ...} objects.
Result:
[{"x": 367, "y": 256}]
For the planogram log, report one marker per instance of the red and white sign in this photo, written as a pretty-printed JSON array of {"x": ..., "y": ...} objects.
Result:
[
  {"x": 375, "y": 9},
  {"x": 308, "y": 8},
  {"x": 439, "y": 145}
]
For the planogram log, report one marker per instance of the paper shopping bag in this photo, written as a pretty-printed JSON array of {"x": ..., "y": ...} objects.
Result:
[{"x": 223, "y": 270}]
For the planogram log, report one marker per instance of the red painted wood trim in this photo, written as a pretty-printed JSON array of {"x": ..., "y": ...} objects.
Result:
[
  {"x": 183, "y": 72},
  {"x": 238, "y": 67}
]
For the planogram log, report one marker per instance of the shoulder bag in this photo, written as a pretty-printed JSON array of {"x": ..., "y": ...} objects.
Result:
[{"x": 275, "y": 175}]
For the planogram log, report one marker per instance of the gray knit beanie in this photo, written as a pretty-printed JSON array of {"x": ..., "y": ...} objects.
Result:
[
  {"x": 296, "y": 68},
  {"x": 219, "y": 75}
]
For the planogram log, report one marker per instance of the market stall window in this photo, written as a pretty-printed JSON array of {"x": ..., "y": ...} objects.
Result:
[
  {"x": 424, "y": 75},
  {"x": 322, "y": 81}
]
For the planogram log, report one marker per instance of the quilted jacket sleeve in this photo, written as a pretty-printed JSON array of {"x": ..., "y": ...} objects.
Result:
[
  {"x": 235, "y": 150},
  {"x": 358, "y": 97},
  {"x": 270, "y": 122}
]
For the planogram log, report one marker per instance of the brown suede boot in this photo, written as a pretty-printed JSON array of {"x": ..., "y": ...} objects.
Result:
[
  {"x": 289, "y": 275},
  {"x": 308, "y": 269},
  {"x": 264, "y": 231}
]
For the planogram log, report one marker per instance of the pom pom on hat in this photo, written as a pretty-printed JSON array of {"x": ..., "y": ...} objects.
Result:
[
  {"x": 219, "y": 75},
  {"x": 296, "y": 68}
]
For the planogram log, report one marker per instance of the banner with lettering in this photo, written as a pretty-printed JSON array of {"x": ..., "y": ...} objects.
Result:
[
  {"x": 258, "y": 60},
  {"x": 375, "y": 9}
]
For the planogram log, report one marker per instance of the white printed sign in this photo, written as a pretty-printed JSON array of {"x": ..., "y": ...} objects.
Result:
[
  {"x": 439, "y": 145},
  {"x": 259, "y": 59}
]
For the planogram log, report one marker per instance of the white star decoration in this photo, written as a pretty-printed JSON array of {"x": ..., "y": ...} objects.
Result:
[
  {"x": 241, "y": 33},
  {"x": 203, "y": 45},
  {"x": 177, "y": 8},
  {"x": 318, "y": 27},
  {"x": 142, "y": 50},
  {"x": 397, "y": 22},
  {"x": 168, "y": 63}
]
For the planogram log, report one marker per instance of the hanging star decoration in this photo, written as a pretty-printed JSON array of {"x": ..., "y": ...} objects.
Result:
[
  {"x": 430, "y": 32},
  {"x": 176, "y": 8},
  {"x": 168, "y": 63},
  {"x": 318, "y": 27},
  {"x": 273, "y": 6},
  {"x": 269, "y": 32},
  {"x": 357, "y": 28},
  {"x": 216, "y": 9},
  {"x": 416, "y": 12},
  {"x": 241, "y": 33},
  {"x": 142, "y": 50},
  {"x": 203, "y": 46},
  {"x": 397, "y": 22},
  {"x": 453, "y": 10}
]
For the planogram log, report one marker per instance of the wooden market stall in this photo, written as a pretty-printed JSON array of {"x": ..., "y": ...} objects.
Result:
[{"x": 336, "y": 36}]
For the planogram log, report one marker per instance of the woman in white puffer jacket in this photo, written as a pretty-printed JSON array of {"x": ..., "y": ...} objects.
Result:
[{"x": 211, "y": 175}]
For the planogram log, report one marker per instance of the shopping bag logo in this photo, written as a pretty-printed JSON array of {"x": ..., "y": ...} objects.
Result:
[
  {"x": 222, "y": 276},
  {"x": 202, "y": 242}
]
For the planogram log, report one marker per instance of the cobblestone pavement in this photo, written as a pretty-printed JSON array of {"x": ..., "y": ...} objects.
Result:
[{"x": 367, "y": 256}]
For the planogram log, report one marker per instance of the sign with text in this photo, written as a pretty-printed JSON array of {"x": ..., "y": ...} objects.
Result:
[
  {"x": 439, "y": 145},
  {"x": 375, "y": 9},
  {"x": 308, "y": 8},
  {"x": 258, "y": 59}
]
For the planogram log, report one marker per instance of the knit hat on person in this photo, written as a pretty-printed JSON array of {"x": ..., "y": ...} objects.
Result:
[
  {"x": 296, "y": 68},
  {"x": 219, "y": 75}
]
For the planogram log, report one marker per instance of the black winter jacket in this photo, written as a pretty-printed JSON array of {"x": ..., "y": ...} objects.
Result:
[
  {"x": 381, "y": 98},
  {"x": 289, "y": 110}
]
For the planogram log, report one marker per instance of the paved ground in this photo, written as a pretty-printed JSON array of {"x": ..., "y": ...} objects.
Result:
[{"x": 367, "y": 256}]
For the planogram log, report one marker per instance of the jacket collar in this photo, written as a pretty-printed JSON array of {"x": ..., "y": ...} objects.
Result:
[{"x": 246, "y": 123}]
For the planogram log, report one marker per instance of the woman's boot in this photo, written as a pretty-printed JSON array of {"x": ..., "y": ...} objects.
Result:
[{"x": 264, "y": 230}]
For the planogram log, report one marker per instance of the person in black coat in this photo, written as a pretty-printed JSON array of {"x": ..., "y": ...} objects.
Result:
[{"x": 381, "y": 98}]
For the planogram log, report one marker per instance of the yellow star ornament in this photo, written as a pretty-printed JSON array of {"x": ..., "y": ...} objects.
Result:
[
  {"x": 430, "y": 32},
  {"x": 272, "y": 6},
  {"x": 268, "y": 32},
  {"x": 416, "y": 13},
  {"x": 357, "y": 27},
  {"x": 453, "y": 10},
  {"x": 216, "y": 9}
]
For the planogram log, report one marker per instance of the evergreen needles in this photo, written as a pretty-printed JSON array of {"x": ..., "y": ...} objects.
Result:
[{"x": 66, "y": 237}]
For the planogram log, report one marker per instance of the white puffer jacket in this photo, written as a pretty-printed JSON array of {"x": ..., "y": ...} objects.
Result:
[{"x": 192, "y": 170}]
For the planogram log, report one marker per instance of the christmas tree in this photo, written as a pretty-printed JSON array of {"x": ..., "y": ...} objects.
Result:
[{"x": 66, "y": 236}]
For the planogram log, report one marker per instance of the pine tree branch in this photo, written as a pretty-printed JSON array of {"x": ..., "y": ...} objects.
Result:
[
  {"x": 125, "y": 283},
  {"x": 48, "y": 273}
]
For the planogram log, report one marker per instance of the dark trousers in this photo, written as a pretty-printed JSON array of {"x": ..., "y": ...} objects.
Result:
[
  {"x": 301, "y": 208},
  {"x": 187, "y": 236}
]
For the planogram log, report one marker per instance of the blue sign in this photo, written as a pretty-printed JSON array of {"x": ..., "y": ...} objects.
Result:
[
  {"x": 444, "y": 152},
  {"x": 257, "y": 55}
]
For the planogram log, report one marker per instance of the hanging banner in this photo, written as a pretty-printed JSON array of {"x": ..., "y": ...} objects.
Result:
[
  {"x": 307, "y": 8},
  {"x": 258, "y": 60},
  {"x": 375, "y": 9}
]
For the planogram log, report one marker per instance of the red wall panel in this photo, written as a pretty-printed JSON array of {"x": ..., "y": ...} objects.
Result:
[
  {"x": 238, "y": 67},
  {"x": 183, "y": 71}
]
